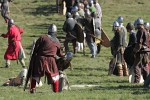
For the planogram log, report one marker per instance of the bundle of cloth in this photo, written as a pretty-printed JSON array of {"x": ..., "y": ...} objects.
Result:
[{"x": 19, "y": 80}]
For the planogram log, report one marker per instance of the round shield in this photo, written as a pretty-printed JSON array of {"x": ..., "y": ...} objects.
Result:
[
  {"x": 79, "y": 33},
  {"x": 105, "y": 40}
]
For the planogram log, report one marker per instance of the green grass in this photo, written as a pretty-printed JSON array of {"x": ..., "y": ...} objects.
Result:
[{"x": 35, "y": 16}]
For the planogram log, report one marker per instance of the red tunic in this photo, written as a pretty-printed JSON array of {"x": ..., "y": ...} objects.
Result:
[
  {"x": 43, "y": 61},
  {"x": 14, "y": 38}
]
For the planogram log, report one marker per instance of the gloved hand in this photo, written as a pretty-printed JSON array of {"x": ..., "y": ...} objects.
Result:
[{"x": 2, "y": 35}]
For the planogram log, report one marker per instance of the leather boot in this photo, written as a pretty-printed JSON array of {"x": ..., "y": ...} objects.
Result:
[
  {"x": 33, "y": 86},
  {"x": 120, "y": 70},
  {"x": 125, "y": 70}
]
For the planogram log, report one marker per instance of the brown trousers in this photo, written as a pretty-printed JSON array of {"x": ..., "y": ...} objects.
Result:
[{"x": 140, "y": 67}]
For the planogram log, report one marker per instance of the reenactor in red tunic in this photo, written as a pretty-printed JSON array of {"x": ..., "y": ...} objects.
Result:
[{"x": 15, "y": 50}]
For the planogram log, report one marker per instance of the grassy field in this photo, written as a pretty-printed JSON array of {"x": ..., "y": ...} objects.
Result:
[{"x": 35, "y": 16}]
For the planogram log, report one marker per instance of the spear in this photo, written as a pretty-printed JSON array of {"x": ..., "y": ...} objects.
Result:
[{"x": 30, "y": 68}]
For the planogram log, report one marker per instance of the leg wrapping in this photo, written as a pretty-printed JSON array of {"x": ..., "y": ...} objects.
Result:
[{"x": 120, "y": 69}]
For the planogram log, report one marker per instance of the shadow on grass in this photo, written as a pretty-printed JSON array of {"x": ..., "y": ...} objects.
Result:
[
  {"x": 4, "y": 67},
  {"x": 136, "y": 89},
  {"x": 40, "y": 26},
  {"x": 45, "y": 10},
  {"x": 58, "y": 20},
  {"x": 34, "y": 36},
  {"x": 98, "y": 69},
  {"x": 116, "y": 81},
  {"x": 45, "y": 26},
  {"x": 29, "y": 47},
  {"x": 90, "y": 75}
]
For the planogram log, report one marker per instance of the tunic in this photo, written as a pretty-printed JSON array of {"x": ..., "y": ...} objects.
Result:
[
  {"x": 43, "y": 59},
  {"x": 141, "y": 55},
  {"x": 14, "y": 39}
]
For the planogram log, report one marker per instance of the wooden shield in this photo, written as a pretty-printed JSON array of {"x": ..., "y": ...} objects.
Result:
[
  {"x": 79, "y": 33},
  {"x": 105, "y": 40}
]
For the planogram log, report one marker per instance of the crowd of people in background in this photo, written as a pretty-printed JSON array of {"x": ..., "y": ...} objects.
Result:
[
  {"x": 128, "y": 56},
  {"x": 138, "y": 42},
  {"x": 88, "y": 14},
  {"x": 131, "y": 58}
]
